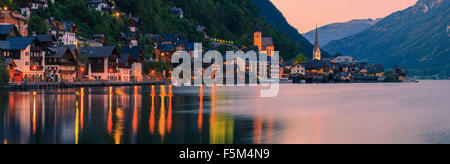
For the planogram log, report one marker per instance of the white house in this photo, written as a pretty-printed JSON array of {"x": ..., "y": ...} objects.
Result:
[{"x": 298, "y": 69}]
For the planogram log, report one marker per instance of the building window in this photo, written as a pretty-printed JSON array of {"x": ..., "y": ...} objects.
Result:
[
  {"x": 27, "y": 63},
  {"x": 27, "y": 54}
]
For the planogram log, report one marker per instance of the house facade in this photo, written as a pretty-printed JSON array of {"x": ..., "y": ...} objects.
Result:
[
  {"x": 103, "y": 63},
  {"x": 28, "y": 55},
  {"x": 60, "y": 65}
]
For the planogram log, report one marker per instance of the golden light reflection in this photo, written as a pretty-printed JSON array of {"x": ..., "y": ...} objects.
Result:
[
  {"x": 221, "y": 125},
  {"x": 82, "y": 109},
  {"x": 200, "y": 112},
  {"x": 162, "y": 113},
  {"x": 118, "y": 131},
  {"x": 34, "y": 112},
  {"x": 5, "y": 141},
  {"x": 135, "y": 112},
  {"x": 152, "y": 112},
  {"x": 257, "y": 130},
  {"x": 169, "y": 115},
  {"x": 109, "y": 122},
  {"x": 77, "y": 120}
]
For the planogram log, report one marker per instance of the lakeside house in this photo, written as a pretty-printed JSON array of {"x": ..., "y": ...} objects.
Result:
[
  {"x": 27, "y": 53},
  {"x": 130, "y": 63},
  {"x": 103, "y": 63},
  {"x": 60, "y": 65},
  {"x": 339, "y": 69}
]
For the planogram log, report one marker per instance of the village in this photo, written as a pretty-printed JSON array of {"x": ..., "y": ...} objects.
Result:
[{"x": 62, "y": 55}]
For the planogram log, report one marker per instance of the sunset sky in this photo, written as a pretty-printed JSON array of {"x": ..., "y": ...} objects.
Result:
[{"x": 304, "y": 14}]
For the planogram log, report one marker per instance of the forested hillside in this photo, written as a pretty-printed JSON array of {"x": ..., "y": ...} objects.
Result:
[{"x": 232, "y": 20}]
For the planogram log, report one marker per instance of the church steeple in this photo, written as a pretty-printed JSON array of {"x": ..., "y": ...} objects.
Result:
[{"x": 316, "y": 52}]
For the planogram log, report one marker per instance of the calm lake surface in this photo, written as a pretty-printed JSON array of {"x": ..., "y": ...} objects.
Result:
[{"x": 301, "y": 113}]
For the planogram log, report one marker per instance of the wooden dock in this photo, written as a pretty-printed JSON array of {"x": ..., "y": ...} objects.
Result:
[{"x": 52, "y": 85}]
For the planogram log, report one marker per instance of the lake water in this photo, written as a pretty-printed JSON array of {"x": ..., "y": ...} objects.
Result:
[{"x": 301, "y": 113}]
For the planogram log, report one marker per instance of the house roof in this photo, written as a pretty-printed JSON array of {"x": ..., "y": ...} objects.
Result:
[
  {"x": 169, "y": 37},
  {"x": 189, "y": 46},
  {"x": 95, "y": 1},
  {"x": 97, "y": 52},
  {"x": 128, "y": 35},
  {"x": 267, "y": 42},
  {"x": 60, "y": 51},
  {"x": 6, "y": 29},
  {"x": 136, "y": 19},
  {"x": 8, "y": 61},
  {"x": 98, "y": 36},
  {"x": 176, "y": 9},
  {"x": 45, "y": 38},
  {"x": 124, "y": 57},
  {"x": 134, "y": 52},
  {"x": 166, "y": 48},
  {"x": 16, "y": 43}
]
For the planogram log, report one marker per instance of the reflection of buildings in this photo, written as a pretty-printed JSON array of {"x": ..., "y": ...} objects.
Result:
[
  {"x": 221, "y": 125},
  {"x": 120, "y": 115}
]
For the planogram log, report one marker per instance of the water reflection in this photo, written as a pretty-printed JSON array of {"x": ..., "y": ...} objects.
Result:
[{"x": 122, "y": 115}]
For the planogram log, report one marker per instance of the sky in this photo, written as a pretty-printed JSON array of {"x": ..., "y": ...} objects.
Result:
[{"x": 305, "y": 14}]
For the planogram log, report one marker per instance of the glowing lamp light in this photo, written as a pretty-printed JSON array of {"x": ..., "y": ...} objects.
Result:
[
  {"x": 34, "y": 68},
  {"x": 110, "y": 70},
  {"x": 5, "y": 8},
  {"x": 82, "y": 69},
  {"x": 153, "y": 71}
]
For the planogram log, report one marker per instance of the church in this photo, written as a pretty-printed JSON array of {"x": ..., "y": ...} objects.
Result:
[
  {"x": 316, "y": 52},
  {"x": 264, "y": 44}
]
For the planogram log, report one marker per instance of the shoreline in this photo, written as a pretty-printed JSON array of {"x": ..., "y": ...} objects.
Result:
[{"x": 56, "y": 85}]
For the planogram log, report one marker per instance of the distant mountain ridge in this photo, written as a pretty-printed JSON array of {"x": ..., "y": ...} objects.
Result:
[
  {"x": 417, "y": 38},
  {"x": 338, "y": 31},
  {"x": 275, "y": 18}
]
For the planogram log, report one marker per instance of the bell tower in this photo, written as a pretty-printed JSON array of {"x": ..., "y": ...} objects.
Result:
[{"x": 257, "y": 37}]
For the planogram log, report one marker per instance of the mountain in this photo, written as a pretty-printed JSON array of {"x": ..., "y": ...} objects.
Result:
[
  {"x": 275, "y": 18},
  {"x": 417, "y": 38},
  {"x": 338, "y": 31}
]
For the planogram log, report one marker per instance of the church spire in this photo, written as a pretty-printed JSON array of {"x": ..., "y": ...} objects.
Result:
[
  {"x": 316, "y": 53},
  {"x": 316, "y": 44}
]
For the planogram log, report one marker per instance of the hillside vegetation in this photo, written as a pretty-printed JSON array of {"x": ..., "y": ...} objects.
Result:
[{"x": 232, "y": 20}]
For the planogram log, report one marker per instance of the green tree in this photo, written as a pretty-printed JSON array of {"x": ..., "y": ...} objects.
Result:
[
  {"x": 37, "y": 25},
  {"x": 299, "y": 59},
  {"x": 4, "y": 75}
]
